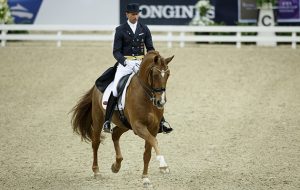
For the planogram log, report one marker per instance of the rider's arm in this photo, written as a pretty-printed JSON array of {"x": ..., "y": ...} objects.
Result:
[
  {"x": 118, "y": 44},
  {"x": 148, "y": 40}
]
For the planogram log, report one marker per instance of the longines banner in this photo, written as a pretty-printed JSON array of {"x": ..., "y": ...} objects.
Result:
[
  {"x": 162, "y": 12},
  {"x": 180, "y": 12}
]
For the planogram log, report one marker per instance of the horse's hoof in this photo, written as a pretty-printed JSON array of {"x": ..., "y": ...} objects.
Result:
[
  {"x": 95, "y": 171},
  {"x": 164, "y": 170},
  {"x": 114, "y": 169},
  {"x": 147, "y": 183},
  {"x": 96, "y": 175}
]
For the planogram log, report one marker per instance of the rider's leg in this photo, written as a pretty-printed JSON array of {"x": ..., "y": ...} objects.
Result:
[{"x": 112, "y": 101}]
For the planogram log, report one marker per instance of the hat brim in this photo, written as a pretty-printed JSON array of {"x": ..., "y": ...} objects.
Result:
[{"x": 127, "y": 11}]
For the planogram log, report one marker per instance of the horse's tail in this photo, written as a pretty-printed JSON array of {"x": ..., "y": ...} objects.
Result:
[{"x": 82, "y": 116}]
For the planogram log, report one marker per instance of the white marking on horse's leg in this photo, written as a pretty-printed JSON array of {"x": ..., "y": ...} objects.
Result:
[
  {"x": 163, "y": 167},
  {"x": 147, "y": 183},
  {"x": 162, "y": 162},
  {"x": 96, "y": 175}
]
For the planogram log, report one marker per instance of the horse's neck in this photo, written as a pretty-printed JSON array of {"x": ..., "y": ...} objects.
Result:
[
  {"x": 142, "y": 96},
  {"x": 137, "y": 85},
  {"x": 142, "y": 77},
  {"x": 138, "y": 93},
  {"x": 139, "y": 103}
]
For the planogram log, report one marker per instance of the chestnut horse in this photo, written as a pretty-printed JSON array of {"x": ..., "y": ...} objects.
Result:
[{"x": 145, "y": 100}]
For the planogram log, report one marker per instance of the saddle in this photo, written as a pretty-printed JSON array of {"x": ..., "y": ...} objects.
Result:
[
  {"x": 106, "y": 78},
  {"x": 104, "y": 84}
]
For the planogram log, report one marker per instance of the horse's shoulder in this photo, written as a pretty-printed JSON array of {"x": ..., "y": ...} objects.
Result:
[{"x": 134, "y": 82}]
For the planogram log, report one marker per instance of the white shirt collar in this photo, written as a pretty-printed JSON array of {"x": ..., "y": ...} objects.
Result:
[{"x": 132, "y": 26}]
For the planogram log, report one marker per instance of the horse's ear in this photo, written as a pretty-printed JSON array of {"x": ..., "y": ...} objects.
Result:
[{"x": 169, "y": 59}]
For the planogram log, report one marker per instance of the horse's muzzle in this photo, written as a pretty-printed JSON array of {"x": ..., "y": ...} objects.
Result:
[{"x": 159, "y": 98}]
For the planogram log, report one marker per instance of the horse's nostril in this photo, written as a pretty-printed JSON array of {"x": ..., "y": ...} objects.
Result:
[{"x": 160, "y": 103}]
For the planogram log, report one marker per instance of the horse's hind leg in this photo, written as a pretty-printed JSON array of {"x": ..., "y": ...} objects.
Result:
[
  {"x": 117, "y": 132},
  {"x": 97, "y": 116},
  {"x": 95, "y": 145}
]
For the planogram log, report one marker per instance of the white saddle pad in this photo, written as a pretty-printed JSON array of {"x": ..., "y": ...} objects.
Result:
[{"x": 121, "y": 102}]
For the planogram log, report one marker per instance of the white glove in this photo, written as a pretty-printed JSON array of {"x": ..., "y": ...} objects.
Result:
[
  {"x": 125, "y": 63},
  {"x": 136, "y": 66},
  {"x": 133, "y": 64}
]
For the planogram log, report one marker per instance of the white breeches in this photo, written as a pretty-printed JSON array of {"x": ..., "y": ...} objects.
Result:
[{"x": 131, "y": 66}]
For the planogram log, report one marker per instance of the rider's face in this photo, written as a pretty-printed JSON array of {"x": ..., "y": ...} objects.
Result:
[{"x": 132, "y": 17}]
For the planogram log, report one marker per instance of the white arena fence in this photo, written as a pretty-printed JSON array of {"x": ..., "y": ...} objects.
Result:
[{"x": 168, "y": 34}]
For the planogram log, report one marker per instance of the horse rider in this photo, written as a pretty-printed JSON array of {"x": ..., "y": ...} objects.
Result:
[{"x": 130, "y": 40}]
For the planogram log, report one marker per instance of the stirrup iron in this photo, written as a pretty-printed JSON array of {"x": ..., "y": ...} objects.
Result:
[
  {"x": 165, "y": 127},
  {"x": 107, "y": 129}
]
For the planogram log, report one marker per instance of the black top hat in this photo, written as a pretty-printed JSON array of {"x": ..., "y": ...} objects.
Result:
[{"x": 133, "y": 8}]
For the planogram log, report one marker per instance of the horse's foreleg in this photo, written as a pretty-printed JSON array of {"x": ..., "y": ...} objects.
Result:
[
  {"x": 145, "y": 134},
  {"x": 148, "y": 137},
  {"x": 147, "y": 157},
  {"x": 117, "y": 132}
]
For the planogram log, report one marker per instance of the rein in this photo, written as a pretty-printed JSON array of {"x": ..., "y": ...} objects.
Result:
[{"x": 149, "y": 90}]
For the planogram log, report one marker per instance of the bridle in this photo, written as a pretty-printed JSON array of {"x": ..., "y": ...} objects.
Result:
[
  {"x": 162, "y": 72},
  {"x": 149, "y": 89}
]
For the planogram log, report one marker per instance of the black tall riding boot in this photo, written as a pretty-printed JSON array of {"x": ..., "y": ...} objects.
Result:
[
  {"x": 112, "y": 101},
  {"x": 164, "y": 126}
]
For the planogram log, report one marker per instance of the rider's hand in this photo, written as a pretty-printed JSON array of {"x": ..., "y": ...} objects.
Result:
[
  {"x": 136, "y": 67},
  {"x": 125, "y": 63}
]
